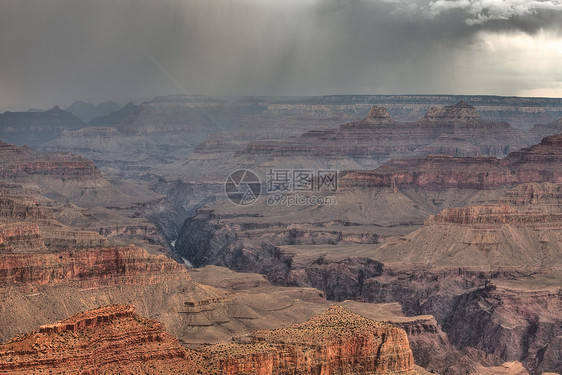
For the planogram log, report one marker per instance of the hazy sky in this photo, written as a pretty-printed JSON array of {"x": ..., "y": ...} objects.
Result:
[{"x": 58, "y": 51}]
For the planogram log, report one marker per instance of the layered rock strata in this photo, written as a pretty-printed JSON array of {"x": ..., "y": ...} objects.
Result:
[
  {"x": 114, "y": 339},
  {"x": 457, "y": 130},
  {"x": 539, "y": 163},
  {"x": 106, "y": 340}
]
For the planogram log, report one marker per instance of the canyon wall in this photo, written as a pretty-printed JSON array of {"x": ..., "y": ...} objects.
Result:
[{"x": 539, "y": 163}]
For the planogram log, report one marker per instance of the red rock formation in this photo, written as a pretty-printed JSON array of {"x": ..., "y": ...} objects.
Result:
[
  {"x": 540, "y": 163},
  {"x": 26, "y": 200},
  {"x": 529, "y": 205},
  {"x": 21, "y": 209},
  {"x": 433, "y": 172},
  {"x": 89, "y": 319},
  {"x": 428, "y": 271},
  {"x": 115, "y": 340},
  {"x": 88, "y": 267},
  {"x": 335, "y": 342},
  {"x": 19, "y": 162},
  {"x": 108, "y": 340}
]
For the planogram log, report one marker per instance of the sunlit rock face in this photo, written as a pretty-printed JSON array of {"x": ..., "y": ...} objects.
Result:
[{"x": 334, "y": 342}]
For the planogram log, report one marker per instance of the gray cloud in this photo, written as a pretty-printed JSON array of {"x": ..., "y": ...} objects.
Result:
[
  {"x": 57, "y": 51},
  {"x": 482, "y": 11}
]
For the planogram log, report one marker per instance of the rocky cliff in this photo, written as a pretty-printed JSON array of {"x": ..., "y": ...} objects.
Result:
[
  {"x": 88, "y": 267},
  {"x": 522, "y": 112},
  {"x": 107, "y": 340},
  {"x": 512, "y": 320},
  {"x": 505, "y": 234},
  {"x": 114, "y": 339},
  {"x": 19, "y": 162},
  {"x": 335, "y": 342},
  {"x": 59, "y": 175},
  {"x": 539, "y": 163},
  {"x": 53, "y": 189},
  {"x": 457, "y": 130}
]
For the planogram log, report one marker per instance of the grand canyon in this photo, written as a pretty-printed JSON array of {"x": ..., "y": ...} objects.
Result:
[
  {"x": 120, "y": 252},
  {"x": 266, "y": 187}
]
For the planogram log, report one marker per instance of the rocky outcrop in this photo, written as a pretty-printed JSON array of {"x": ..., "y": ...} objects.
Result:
[
  {"x": 548, "y": 150},
  {"x": 482, "y": 236},
  {"x": 23, "y": 207},
  {"x": 458, "y": 113},
  {"x": 29, "y": 177},
  {"x": 495, "y": 214},
  {"x": 312, "y": 128},
  {"x": 522, "y": 112},
  {"x": 489, "y": 311},
  {"x": 490, "y": 274},
  {"x": 377, "y": 116},
  {"x": 107, "y": 340},
  {"x": 114, "y": 339},
  {"x": 335, "y": 342},
  {"x": 49, "y": 271},
  {"x": 434, "y": 172},
  {"x": 548, "y": 195},
  {"x": 89, "y": 319}
]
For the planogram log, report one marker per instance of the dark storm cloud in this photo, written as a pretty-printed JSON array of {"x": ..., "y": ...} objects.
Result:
[{"x": 57, "y": 51}]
